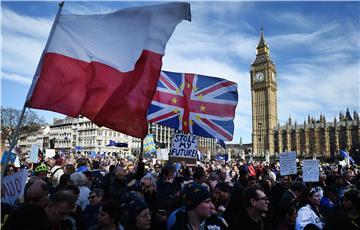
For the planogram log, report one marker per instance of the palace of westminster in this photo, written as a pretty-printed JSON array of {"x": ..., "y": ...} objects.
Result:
[{"x": 312, "y": 137}]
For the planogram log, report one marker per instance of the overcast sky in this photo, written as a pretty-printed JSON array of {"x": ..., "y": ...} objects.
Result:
[{"x": 315, "y": 46}]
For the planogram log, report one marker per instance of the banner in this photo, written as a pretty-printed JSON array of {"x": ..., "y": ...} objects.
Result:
[
  {"x": 184, "y": 148},
  {"x": 310, "y": 170},
  {"x": 288, "y": 163},
  {"x": 149, "y": 146},
  {"x": 13, "y": 186}
]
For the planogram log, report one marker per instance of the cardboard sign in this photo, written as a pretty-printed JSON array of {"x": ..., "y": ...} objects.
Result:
[
  {"x": 288, "y": 163},
  {"x": 13, "y": 186},
  {"x": 49, "y": 153},
  {"x": 149, "y": 146},
  {"x": 34, "y": 153},
  {"x": 310, "y": 170},
  {"x": 184, "y": 148}
]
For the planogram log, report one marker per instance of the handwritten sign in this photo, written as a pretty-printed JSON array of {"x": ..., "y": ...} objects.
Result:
[
  {"x": 288, "y": 163},
  {"x": 13, "y": 186},
  {"x": 184, "y": 148},
  {"x": 310, "y": 170}
]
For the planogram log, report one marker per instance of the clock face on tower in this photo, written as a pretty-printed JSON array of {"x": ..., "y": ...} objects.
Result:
[{"x": 259, "y": 77}]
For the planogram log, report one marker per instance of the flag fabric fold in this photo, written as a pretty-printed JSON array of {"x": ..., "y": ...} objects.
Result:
[
  {"x": 196, "y": 104},
  {"x": 221, "y": 143},
  {"x": 346, "y": 155},
  {"x": 106, "y": 66}
]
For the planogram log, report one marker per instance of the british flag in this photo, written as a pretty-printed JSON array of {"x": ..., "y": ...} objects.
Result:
[{"x": 196, "y": 104}]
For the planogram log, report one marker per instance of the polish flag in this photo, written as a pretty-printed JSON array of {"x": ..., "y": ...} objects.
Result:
[{"x": 106, "y": 66}]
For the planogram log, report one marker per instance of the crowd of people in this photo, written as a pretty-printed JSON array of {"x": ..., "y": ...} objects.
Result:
[{"x": 79, "y": 192}]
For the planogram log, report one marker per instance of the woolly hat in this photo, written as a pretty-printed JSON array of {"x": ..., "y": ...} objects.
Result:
[
  {"x": 82, "y": 168},
  {"x": 131, "y": 206},
  {"x": 194, "y": 195},
  {"x": 243, "y": 170}
]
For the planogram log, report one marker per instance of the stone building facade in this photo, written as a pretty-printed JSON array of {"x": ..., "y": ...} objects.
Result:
[
  {"x": 80, "y": 133},
  {"x": 319, "y": 137}
]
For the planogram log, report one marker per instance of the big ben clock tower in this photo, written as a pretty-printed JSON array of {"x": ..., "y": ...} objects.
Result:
[{"x": 263, "y": 100}]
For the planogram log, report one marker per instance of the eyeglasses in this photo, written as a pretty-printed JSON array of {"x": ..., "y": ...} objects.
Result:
[{"x": 264, "y": 198}]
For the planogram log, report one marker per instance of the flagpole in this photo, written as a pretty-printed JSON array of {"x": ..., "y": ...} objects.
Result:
[
  {"x": 13, "y": 141},
  {"x": 141, "y": 150},
  {"x": 38, "y": 68},
  {"x": 37, "y": 73}
]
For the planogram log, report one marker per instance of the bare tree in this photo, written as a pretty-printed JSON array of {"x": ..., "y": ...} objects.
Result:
[{"x": 9, "y": 119}]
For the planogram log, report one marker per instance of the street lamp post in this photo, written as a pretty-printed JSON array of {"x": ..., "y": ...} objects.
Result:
[{"x": 259, "y": 142}]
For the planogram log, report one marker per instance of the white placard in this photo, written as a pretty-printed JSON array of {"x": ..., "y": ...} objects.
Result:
[
  {"x": 310, "y": 170},
  {"x": 49, "y": 153},
  {"x": 184, "y": 146},
  {"x": 13, "y": 186},
  {"x": 162, "y": 154},
  {"x": 288, "y": 163},
  {"x": 34, "y": 153}
]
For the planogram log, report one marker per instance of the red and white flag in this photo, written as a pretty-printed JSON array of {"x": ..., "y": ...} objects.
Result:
[{"x": 106, "y": 66}]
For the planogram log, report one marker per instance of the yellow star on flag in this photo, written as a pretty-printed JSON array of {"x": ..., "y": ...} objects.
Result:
[
  {"x": 195, "y": 88},
  {"x": 180, "y": 118},
  {"x": 202, "y": 108},
  {"x": 191, "y": 122},
  {"x": 189, "y": 85},
  {"x": 182, "y": 86},
  {"x": 177, "y": 91},
  {"x": 185, "y": 123},
  {"x": 200, "y": 97},
  {"x": 197, "y": 117},
  {"x": 174, "y": 100}
]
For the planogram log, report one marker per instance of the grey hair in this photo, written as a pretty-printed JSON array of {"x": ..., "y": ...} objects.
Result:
[
  {"x": 78, "y": 178},
  {"x": 150, "y": 178}
]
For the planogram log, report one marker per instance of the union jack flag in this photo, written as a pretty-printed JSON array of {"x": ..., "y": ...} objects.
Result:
[{"x": 201, "y": 105}]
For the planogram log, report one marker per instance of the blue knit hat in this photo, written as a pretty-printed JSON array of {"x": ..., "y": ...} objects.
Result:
[{"x": 194, "y": 195}]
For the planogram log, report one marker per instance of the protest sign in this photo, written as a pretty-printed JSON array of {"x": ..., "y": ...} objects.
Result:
[
  {"x": 162, "y": 154},
  {"x": 149, "y": 146},
  {"x": 288, "y": 163},
  {"x": 184, "y": 148},
  {"x": 34, "y": 153},
  {"x": 310, "y": 170},
  {"x": 12, "y": 186},
  {"x": 49, "y": 153}
]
